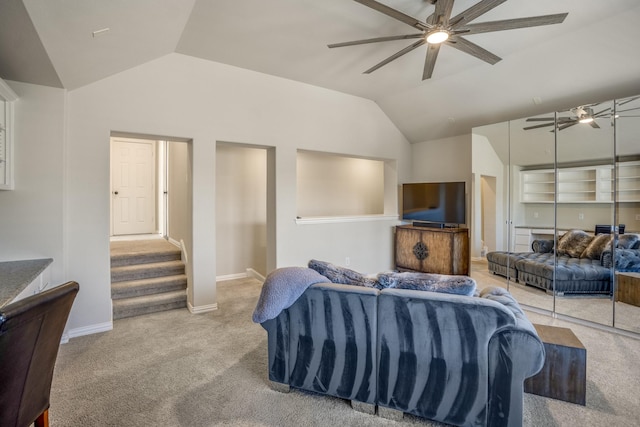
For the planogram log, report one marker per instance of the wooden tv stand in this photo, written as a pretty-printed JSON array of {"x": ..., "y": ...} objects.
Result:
[{"x": 432, "y": 250}]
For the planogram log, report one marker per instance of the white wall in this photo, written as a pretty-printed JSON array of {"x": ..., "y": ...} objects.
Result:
[
  {"x": 31, "y": 223},
  {"x": 447, "y": 159},
  {"x": 241, "y": 209},
  {"x": 205, "y": 102}
]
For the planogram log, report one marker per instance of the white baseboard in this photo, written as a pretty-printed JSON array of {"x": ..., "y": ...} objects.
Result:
[
  {"x": 86, "y": 330},
  {"x": 202, "y": 308},
  {"x": 252, "y": 273},
  {"x": 174, "y": 242},
  {"x": 249, "y": 273},
  {"x": 231, "y": 277}
]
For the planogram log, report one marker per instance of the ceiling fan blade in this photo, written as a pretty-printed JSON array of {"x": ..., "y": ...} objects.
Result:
[
  {"x": 568, "y": 124},
  {"x": 628, "y": 100},
  {"x": 442, "y": 13},
  {"x": 512, "y": 24},
  {"x": 476, "y": 10},
  {"x": 376, "y": 40},
  {"x": 473, "y": 49},
  {"x": 537, "y": 126},
  {"x": 540, "y": 119},
  {"x": 628, "y": 109},
  {"x": 430, "y": 60},
  {"x": 594, "y": 125},
  {"x": 395, "y": 14},
  {"x": 396, "y": 55}
]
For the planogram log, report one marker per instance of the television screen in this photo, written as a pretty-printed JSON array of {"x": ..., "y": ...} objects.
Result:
[{"x": 440, "y": 202}]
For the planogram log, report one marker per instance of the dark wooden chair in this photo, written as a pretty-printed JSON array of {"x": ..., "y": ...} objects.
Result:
[{"x": 30, "y": 333}]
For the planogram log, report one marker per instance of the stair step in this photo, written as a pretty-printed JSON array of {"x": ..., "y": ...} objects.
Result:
[
  {"x": 145, "y": 257},
  {"x": 137, "y": 306},
  {"x": 146, "y": 271},
  {"x": 155, "y": 285}
]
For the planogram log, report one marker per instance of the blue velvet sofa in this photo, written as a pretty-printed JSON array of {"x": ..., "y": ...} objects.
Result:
[
  {"x": 582, "y": 263},
  {"x": 461, "y": 360}
]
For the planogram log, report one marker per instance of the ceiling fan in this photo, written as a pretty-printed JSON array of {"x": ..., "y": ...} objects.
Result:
[
  {"x": 583, "y": 114},
  {"x": 440, "y": 28}
]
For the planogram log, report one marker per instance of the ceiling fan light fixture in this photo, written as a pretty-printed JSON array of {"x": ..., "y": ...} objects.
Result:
[
  {"x": 437, "y": 36},
  {"x": 586, "y": 119}
]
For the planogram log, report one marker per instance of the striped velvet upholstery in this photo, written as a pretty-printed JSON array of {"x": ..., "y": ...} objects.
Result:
[
  {"x": 331, "y": 346},
  {"x": 456, "y": 359},
  {"x": 459, "y": 360}
]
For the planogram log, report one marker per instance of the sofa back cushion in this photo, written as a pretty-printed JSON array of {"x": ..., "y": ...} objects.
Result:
[
  {"x": 596, "y": 246},
  {"x": 573, "y": 243}
]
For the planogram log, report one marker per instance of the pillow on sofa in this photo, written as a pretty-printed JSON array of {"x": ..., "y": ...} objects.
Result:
[
  {"x": 337, "y": 274},
  {"x": 573, "y": 243},
  {"x": 460, "y": 285},
  {"x": 627, "y": 241},
  {"x": 596, "y": 246},
  {"x": 542, "y": 246}
]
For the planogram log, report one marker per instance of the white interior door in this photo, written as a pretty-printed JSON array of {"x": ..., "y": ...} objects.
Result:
[{"x": 132, "y": 186}]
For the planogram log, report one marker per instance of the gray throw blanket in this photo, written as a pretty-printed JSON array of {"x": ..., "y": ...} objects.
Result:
[{"x": 282, "y": 288}]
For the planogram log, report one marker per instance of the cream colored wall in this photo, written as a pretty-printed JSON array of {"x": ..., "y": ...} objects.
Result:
[
  {"x": 179, "y": 189},
  {"x": 206, "y": 102},
  {"x": 32, "y": 215},
  {"x": 447, "y": 159},
  {"x": 241, "y": 209},
  {"x": 331, "y": 185}
]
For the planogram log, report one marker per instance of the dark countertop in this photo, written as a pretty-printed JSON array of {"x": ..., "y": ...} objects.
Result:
[{"x": 16, "y": 275}]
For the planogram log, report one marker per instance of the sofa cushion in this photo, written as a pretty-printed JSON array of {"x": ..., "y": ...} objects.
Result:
[
  {"x": 460, "y": 285},
  {"x": 337, "y": 274},
  {"x": 596, "y": 246},
  {"x": 573, "y": 243}
]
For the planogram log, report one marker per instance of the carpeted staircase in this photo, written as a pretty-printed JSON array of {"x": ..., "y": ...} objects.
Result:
[{"x": 146, "y": 276}]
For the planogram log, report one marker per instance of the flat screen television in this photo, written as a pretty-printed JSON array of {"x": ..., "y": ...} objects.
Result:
[{"x": 437, "y": 203}]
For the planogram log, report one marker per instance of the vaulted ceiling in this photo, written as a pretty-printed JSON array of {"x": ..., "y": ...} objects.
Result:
[{"x": 592, "y": 56}]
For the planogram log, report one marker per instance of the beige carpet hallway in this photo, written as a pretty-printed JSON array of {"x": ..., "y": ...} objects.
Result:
[{"x": 174, "y": 368}]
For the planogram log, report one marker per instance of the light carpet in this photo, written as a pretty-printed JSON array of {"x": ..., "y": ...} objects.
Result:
[{"x": 174, "y": 368}]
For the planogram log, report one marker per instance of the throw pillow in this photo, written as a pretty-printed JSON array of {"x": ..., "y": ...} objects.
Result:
[
  {"x": 573, "y": 243},
  {"x": 460, "y": 285},
  {"x": 627, "y": 241},
  {"x": 596, "y": 246},
  {"x": 337, "y": 274}
]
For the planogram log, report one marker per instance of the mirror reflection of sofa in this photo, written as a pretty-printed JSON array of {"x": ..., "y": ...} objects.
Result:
[{"x": 584, "y": 262}]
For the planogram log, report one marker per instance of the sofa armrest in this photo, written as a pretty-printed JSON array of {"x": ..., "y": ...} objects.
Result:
[
  {"x": 515, "y": 353},
  {"x": 542, "y": 246},
  {"x": 278, "y": 347},
  {"x": 434, "y": 354},
  {"x": 627, "y": 260}
]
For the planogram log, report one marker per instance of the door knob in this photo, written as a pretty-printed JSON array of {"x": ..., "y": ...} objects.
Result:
[{"x": 115, "y": 192}]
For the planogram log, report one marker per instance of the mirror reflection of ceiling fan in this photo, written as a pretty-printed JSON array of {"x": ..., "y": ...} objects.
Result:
[
  {"x": 581, "y": 115},
  {"x": 440, "y": 28}
]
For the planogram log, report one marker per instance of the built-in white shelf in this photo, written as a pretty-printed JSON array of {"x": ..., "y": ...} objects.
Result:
[{"x": 587, "y": 184}]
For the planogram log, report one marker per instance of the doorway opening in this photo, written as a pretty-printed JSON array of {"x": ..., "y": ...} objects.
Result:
[
  {"x": 150, "y": 188},
  {"x": 243, "y": 212},
  {"x": 488, "y": 209}
]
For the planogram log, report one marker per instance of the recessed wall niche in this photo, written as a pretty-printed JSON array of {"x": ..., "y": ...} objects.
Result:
[{"x": 334, "y": 185}]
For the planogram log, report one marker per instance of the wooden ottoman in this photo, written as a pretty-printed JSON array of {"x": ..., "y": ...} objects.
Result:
[
  {"x": 564, "y": 374},
  {"x": 628, "y": 290}
]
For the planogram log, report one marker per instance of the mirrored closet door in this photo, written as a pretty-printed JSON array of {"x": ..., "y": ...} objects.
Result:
[{"x": 567, "y": 211}]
